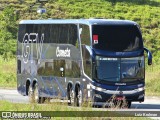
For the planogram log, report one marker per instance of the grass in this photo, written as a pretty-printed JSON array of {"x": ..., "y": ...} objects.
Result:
[
  {"x": 153, "y": 80},
  {"x": 63, "y": 108},
  {"x": 8, "y": 73}
]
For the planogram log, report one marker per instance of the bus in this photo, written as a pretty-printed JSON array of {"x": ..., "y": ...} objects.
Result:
[{"x": 81, "y": 60}]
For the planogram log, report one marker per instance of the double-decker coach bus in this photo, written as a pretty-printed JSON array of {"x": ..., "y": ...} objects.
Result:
[{"x": 81, "y": 60}]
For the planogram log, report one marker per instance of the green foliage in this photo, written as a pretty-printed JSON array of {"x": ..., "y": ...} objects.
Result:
[
  {"x": 8, "y": 72},
  {"x": 8, "y": 33},
  {"x": 152, "y": 79},
  {"x": 59, "y": 108}
]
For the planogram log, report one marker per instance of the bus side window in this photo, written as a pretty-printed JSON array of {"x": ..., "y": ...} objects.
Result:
[
  {"x": 85, "y": 41},
  {"x": 85, "y": 35},
  {"x": 59, "y": 68},
  {"x": 72, "y": 69},
  {"x": 45, "y": 68},
  {"x": 62, "y": 34},
  {"x": 52, "y": 68},
  {"x": 86, "y": 60}
]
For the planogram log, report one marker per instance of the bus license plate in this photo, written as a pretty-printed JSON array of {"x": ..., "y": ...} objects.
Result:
[{"x": 119, "y": 98}]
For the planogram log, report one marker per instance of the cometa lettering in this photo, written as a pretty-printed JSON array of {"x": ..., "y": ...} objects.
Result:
[{"x": 63, "y": 53}]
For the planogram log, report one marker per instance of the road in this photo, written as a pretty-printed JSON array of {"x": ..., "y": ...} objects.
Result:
[{"x": 150, "y": 103}]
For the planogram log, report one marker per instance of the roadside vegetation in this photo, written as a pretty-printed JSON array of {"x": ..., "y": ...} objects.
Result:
[
  {"x": 145, "y": 12},
  {"x": 153, "y": 80},
  {"x": 8, "y": 73},
  {"x": 73, "y": 111}
]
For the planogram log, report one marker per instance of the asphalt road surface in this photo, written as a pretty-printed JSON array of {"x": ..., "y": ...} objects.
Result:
[{"x": 150, "y": 103}]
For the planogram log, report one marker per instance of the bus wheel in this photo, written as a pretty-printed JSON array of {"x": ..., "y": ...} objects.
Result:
[
  {"x": 34, "y": 95},
  {"x": 47, "y": 100},
  {"x": 78, "y": 97},
  {"x": 30, "y": 94},
  {"x": 70, "y": 96},
  {"x": 129, "y": 104},
  {"x": 125, "y": 104}
]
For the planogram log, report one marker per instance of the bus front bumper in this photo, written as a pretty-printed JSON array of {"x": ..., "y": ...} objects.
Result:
[{"x": 136, "y": 95}]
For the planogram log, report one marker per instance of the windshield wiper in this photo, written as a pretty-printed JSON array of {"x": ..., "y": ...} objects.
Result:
[
  {"x": 133, "y": 78},
  {"x": 109, "y": 77}
]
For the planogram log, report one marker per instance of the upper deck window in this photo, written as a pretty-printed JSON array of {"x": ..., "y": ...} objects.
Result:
[
  {"x": 117, "y": 38},
  {"x": 53, "y": 33}
]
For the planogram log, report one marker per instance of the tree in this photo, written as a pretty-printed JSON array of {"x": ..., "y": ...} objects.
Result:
[{"x": 8, "y": 32}]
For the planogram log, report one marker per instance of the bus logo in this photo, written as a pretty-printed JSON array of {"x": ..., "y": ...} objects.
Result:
[
  {"x": 63, "y": 52},
  {"x": 27, "y": 45}
]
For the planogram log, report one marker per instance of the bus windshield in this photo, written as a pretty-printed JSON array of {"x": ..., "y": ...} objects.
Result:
[
  {"x": 119, "y": 69},
  {"x": 117, "y": 38}
]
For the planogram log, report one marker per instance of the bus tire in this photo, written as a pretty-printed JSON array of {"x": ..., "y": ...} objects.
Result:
[
  {"x": 78, "y": 97},
  {"x": 34, "y": 95},
  {"x": 129, "y": 104},
  {"x": 30, "y": 94},
  {"x": 126, "y": 104},
  {"x": 47, "y": 100},
  {"x": 70, "y": 96}
]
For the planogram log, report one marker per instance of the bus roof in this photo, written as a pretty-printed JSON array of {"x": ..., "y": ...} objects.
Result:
[{"x": 82, "y": 21}]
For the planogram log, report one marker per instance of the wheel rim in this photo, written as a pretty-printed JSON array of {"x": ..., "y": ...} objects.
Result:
[{"x": 71, "y": 96}]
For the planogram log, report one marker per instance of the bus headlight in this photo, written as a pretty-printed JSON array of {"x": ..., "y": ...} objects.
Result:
[{"x": 140, "y": 89}]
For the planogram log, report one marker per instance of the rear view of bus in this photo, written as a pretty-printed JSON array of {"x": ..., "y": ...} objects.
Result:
[{"x": 118, "y": 63}]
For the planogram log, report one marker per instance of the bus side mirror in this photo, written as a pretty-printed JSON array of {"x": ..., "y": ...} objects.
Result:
[
  {"x": 149, "y": 61},
  {"x": 149, "y": 56}
]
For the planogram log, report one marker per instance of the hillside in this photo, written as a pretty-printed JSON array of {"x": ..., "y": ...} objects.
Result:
[{"x": 145, "y": 12}]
